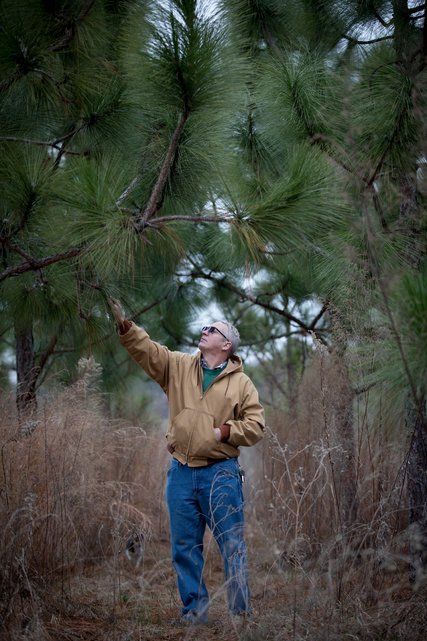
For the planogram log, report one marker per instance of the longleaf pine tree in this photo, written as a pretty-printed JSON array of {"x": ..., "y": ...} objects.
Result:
[{"x": 265, "y": 155}]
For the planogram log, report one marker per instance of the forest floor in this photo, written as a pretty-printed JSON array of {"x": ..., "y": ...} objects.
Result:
[{"x": 111, "y": 601}]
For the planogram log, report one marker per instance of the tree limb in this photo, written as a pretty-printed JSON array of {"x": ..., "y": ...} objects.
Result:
[
  {"x": 127, "y": 191},
  {"x": 366, "y": 42},
  {"x": 50, "y": 349},
  {"x": 159, "y": 222},
  {"x": 133, "y": 317},
  {"x": 70, "y": 27},
  {"x": 39, "y": 264},
  {"x": 421, "y": 7},
  {"x": 155, "y": 197},
  {"x": 15, "y": 248},
  {"x": 381, "y": 19},
  {"x": 318, "y": 316},
  {"x": 423, "y": 56},
  {"x": 320, "y": 139},
  {"x": 222, "y": 282}
]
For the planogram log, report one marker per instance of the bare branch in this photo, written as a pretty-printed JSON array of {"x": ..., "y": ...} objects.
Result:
[
  {"x": 366, "y": 42},
  {"x": 27, "y": 141},
  {"x": 158, "y": 222},
  {"x": 381, "y": 20},
  {"x": 127, "y": 191},
  {"x": 42, "y": 143},
  {"x": 18, "y": 250},
  {"x": 318, "y": 316},
  {"x": 33, "y": 264},
  {"x": 222, "y": 282},
  {"x": 44, "y": 356},
  {"x": 423, "y": 52},
  {"x": 39, "y": 264},
  {"x": 421, "y": 7},
  {"x": 156, "y": 195}
]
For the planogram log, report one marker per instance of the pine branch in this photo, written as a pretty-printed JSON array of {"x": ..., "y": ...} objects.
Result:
[
  {"x": 70, "y": 27},
  {"x": 102, "y": 339},
  {"x": 163, "y": 220},
  {"x": 421, "y": 7},
  {"x": 222, "y": 282},
  {"x": 355, "y": 41},
  {"x": 322, "y": 141},
  {"x": 155, "y": 197},
  {"x": 423, "y": 52},
  {"x": 18, "y": 250},
  {"x": 318, "y": 316},
  {"x": 34, "y": 264},
  {"x": 397, "y": 128},
  {"x": 381, "y": 19},
  {"x": 128, "y": 191},
  {"x": 42, "y": 143},
  {"x": 44, "y": 356},
  {"x": 27, "y": 141},
  {"x": 375, "y": 268}
]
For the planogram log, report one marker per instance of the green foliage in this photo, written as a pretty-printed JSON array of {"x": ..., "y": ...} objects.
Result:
[
  {"x": 302, "y": 207},
  {"x": 300, "y": 98},
  {"x": 410, "y": 298},
  {"x": 184, "y": 68},
  {"x": 298, "y": 145},
  {"x": 386, "y": 122}
]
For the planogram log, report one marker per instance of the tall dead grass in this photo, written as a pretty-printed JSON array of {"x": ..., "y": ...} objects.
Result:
[
  {"x": 72, "y": 493},
  {"x": 331, "y": 502},
  {"x": 326, "y": 523}
]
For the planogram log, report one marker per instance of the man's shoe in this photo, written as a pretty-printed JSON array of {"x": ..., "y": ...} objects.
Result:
[
  {"x": 240, "y": 620},
  {"x": 192, "y": 617}
]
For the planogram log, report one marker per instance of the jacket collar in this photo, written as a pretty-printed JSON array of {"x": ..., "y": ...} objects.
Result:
[
  {"x": 205, "y": 365},
  {"x": 234, "y": 362}
]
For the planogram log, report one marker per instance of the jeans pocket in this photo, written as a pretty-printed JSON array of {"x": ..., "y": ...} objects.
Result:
[{"x": 173, "y": 465}]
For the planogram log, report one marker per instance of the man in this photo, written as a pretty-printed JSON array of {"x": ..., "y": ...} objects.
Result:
[{"x": 213, "y": 410}]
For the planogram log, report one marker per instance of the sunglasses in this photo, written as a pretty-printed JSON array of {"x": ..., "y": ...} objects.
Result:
[{"x": 210, "y": 329}]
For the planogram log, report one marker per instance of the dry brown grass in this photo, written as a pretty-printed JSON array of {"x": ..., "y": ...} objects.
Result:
[{"x": 75, "y": 489}]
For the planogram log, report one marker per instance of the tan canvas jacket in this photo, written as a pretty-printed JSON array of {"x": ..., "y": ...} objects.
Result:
[{"x": 231, "y": 398}]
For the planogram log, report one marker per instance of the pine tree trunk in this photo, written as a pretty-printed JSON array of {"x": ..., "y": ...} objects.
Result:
[
  {"x": 417, "y": 491},
  {"x": 26, "y": 370},
  {"x": 342, "y": 408},
  {"x": 415, "y": 418}
]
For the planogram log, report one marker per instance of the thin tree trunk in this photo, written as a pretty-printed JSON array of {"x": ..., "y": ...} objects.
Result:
[
  {"x": 415, "y": 417},
  {"x": 342, "y": 410},
  {"x": 417, "y": 490},
  {"x": 290, "y": 371},
  {"x": 26, "y": 370}
]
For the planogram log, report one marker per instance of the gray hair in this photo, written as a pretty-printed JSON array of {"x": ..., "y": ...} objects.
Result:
[{"x": 233, "y": 336}]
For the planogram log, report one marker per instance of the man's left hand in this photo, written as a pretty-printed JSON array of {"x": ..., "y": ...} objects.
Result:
[{"x": 116, "y": 310}]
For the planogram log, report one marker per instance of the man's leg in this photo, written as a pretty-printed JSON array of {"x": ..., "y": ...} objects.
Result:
[
  {"x": 187, "y": 527},
  {"x": 222, "y": 502}
]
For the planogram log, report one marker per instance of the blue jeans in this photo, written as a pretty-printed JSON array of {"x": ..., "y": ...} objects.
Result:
[{"x": 200, "y": 496}]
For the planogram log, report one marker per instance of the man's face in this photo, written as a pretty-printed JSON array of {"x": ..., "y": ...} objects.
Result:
[{"x": 213, "y": 338}]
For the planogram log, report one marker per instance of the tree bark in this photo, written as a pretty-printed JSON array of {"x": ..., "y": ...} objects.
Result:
[
  {"x": 417, "y": 490},
  {"x": 415, "y": 411},
  {"x": 26, "y": 370},
  {"x": 342, "y": 415}
]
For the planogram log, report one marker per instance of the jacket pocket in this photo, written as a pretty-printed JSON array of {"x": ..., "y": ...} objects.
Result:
[{"x": 192, "y": 431}]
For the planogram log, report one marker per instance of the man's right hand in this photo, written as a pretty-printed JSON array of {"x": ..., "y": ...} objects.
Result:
[{"x": 117, "y": 311}]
